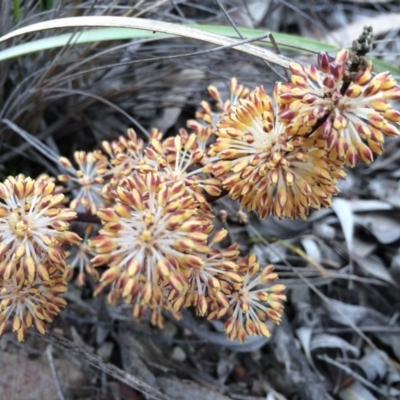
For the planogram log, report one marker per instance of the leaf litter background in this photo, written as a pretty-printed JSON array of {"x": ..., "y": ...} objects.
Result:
[{"x": 340, "y": 337}]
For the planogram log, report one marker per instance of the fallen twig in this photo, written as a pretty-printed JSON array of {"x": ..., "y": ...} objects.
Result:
[{"x": 95, "y": 361}]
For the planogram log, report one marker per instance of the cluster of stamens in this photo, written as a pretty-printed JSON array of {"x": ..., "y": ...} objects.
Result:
[
  {"x": 352, "y": 111},
  {"x": 33, "y": 229},
  {"x": 267, "y": 169}
]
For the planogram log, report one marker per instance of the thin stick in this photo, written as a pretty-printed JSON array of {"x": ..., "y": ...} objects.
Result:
[
  {"x": 349, "y": 371},
  {"x": 229, "y": 19},
  {"x": 326, "y": 300},
  {"x": 241, "y": 36},
  {"x": 171, "y": 57},
  {"x": 53, "y": 371},
  {"x": 95, "y": 361},
  {"x": 277, "y": 51}
]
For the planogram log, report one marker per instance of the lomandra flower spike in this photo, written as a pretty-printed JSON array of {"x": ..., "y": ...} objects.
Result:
[
  {"x": 24, "y": 304},
  {"x": 179, "y": 161},
  {"x": 125, "y": 156},
  {"x": 354, "y": 111},
  {"x": 147, "y": 240},
  {"x": 254, "y": 301},
  {"x": 88, "y": 178},
  {"x": 268, "y": 170},
  {"x": 33, "y": 227}
]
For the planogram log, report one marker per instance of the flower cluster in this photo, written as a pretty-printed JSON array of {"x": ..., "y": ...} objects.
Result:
[
  {"x": 283, "y": 156},
  {"x": 33, "y": 228},
  {"x": 254, "y": 301},
  {"x": 30, "y": 303},
  {"x": 158, "y": 249},
  {"x": 353, "y": 112},
  {"x": 149, "y": 237},
  {"x": 87, "y": 180},
  {"x": 155, "y": 242},
  {"x": 267, "y": 169},
  {"x": 181, "y": 159}
]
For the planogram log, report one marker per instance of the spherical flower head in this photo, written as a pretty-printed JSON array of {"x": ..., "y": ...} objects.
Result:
[
  {"x": 33, "y": 226},
  {"x": 126, "y": 155},
  {"x": 268, "y": 170},
  {"x": 254, "y": 301},
  {"x": 24, "y": 304},
  {"x": 89, "y": 178},
  {"x": 211, "y": 282},
  {"x": 179, "y": 161},
  {"x": 151, "y": 231},
  {"x": 353, "y": 109}
]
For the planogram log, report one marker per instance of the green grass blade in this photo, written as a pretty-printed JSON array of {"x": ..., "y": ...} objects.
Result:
[
  {"x": 16, "y": 10},
  {"x": 89, "y": 36},
  {"x": 119, "y": 28}
]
